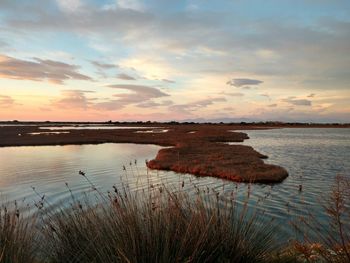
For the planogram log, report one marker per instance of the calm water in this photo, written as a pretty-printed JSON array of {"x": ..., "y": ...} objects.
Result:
[
  {"x": 96, "y": 127},
  {"x": 313, "y": 157}
]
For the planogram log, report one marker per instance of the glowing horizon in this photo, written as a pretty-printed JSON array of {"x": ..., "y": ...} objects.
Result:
[{"x": 161, "y": 60}]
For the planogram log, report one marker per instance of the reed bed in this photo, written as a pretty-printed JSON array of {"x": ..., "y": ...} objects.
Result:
[
  {"x": 157, "y": 224},
  {"x": 330, "y": 243},
  {"x": 164, "y": 224},
  {"x": 17, "y": 238}
]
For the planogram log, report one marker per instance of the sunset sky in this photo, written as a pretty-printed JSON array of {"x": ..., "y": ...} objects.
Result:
[{"x": 98, "y": 60}]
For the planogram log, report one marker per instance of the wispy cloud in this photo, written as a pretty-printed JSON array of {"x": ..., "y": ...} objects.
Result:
[
  {"x": 168, "y": 81},
  {"x": 152, "y": 104},
  {"x": 112, "y": 18},
  {"x": 132, "y": 94},
  {"x": 233, "y": 94},
  {"x": 136, "y": 94},
  {"x": 39, "y": 70},
  {"x": 298, "y": 102},
  {"x": 102, "y": 66},
  {"x": 243, "y": 82},
  {"x": 131, "y": 4},
  {"x": 6, "y": 101},
  {"x": 73, "y": 99},
  {"x": 189, "y": 108},
  {"x": 124, "y": 76},
  {"x": 69, "y": 5}
]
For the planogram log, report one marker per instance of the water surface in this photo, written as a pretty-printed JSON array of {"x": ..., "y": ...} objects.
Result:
[
  {"x": 96, "y": 127},
  {"x": 313, "y": 157}
]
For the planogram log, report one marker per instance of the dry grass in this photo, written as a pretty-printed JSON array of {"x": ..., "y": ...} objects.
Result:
[
  {"x": 157, "y": 225},
  {"x": 329, "y": 243},
  {"x": 17, "y": 237},
  {"x": 163, "y": 224}
]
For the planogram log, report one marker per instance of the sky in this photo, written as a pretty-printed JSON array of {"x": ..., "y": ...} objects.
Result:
[{"x": 162, "y": 60}]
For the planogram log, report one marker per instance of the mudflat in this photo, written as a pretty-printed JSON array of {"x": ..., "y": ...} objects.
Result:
[{"x": 199, "y": 149}]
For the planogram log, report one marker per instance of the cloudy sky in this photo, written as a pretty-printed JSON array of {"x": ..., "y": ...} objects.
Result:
[{"x": 97, "y": 60}]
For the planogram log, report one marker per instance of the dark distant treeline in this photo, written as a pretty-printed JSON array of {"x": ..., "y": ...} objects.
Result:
[{"x": 110, "y": 122}]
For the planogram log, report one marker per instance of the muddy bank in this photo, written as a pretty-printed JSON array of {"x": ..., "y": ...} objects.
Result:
[{"x": 198, "y": 149}]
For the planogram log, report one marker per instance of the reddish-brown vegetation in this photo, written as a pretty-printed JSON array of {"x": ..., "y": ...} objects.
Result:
[
  {"x": 202, "y": 152},
  {"x": 232, "y": 162}
]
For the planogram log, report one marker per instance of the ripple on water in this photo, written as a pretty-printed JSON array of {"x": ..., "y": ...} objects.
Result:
[{"x": 313, "y": 157}]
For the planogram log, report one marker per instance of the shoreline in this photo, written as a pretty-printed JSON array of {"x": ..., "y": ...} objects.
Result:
[
  {"x": 197, "y": 149},
  {"x": 238, "y": 126}
]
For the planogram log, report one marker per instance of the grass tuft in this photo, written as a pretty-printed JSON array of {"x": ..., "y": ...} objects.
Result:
[
  {"x": 330, "y": 243},
  {"x": 17, "y": 237},
  {"x": 164, "y": 224},
  {"x": 158, "y": 226}
]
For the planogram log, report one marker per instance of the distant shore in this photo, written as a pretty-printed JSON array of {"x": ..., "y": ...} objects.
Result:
[
  {"x": 266, "y": 124},
  {"x": 199, "y": 149}
]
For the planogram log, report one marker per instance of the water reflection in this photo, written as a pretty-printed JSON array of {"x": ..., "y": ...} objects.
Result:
[
  {"x": 153, "y": 131},
  {"x": 313, "y": 157},
  {"x": 94, "y": 127},
  {"x": 47, "y": 133},
  {"x": 48, "y": 167}
]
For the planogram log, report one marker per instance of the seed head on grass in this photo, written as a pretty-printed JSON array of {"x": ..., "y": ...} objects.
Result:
[
  {"x": 330, "y": 243},
  {"x": 17, "y": 236},
  {"x": 158, "y": 225}
]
